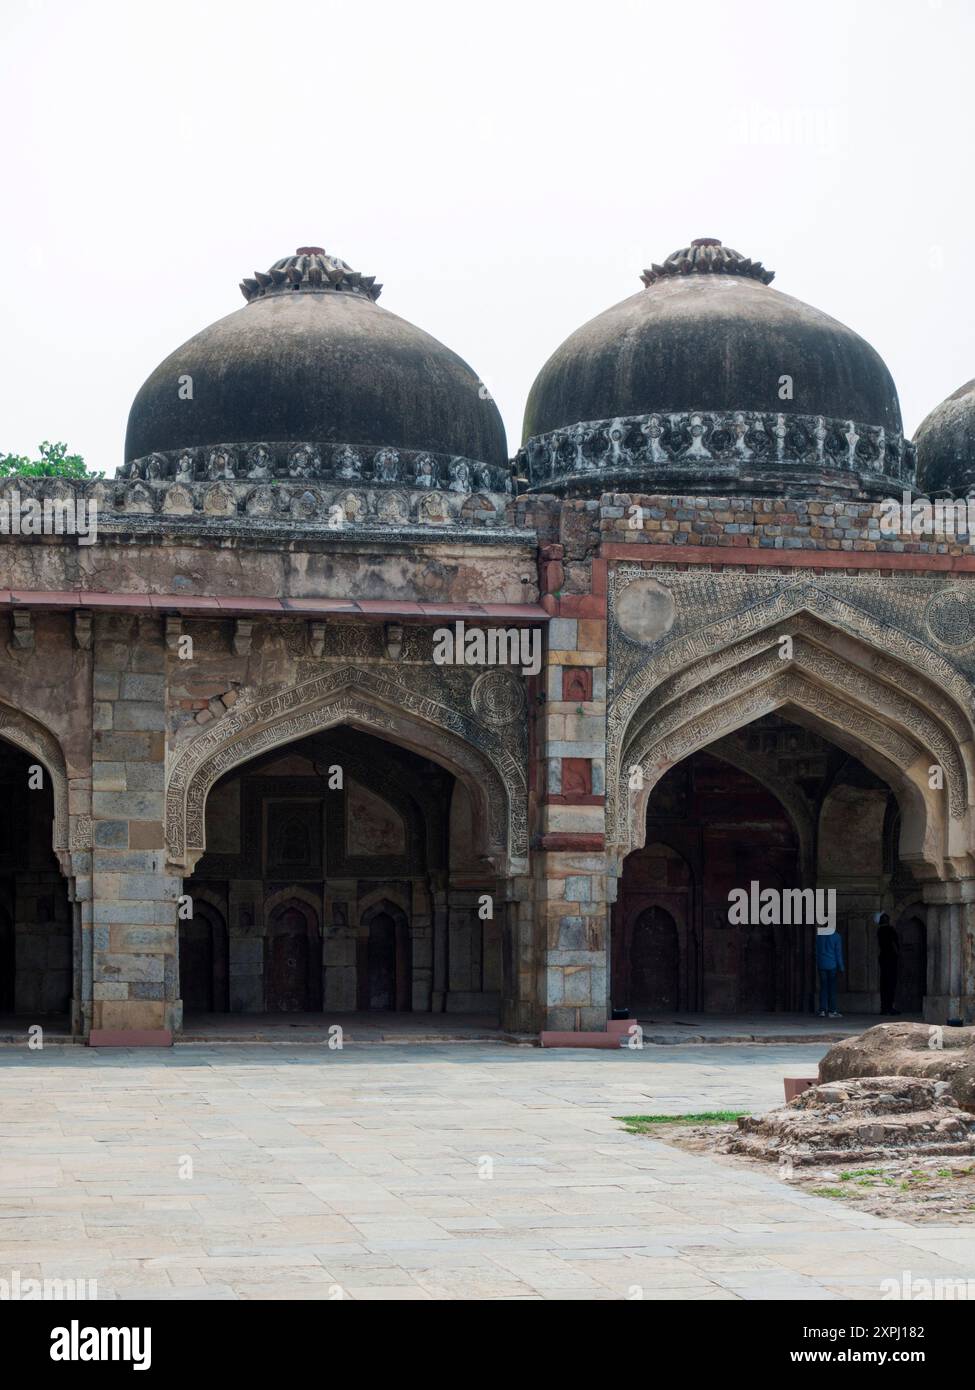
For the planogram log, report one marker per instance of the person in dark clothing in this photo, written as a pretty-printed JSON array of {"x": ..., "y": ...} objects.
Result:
[
  {"x": 829, "y": 962},
  {"x": 888, "y": 954}
]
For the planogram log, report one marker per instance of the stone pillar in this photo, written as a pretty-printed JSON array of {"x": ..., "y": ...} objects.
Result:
[
  {"x": 951, "y": 951},
  {"x": 440, "y": 931},
  {"x": 514, "y": 909},
  {"x": 245, "y": 946},
  {"x": 421, "y": 929},
  {"x": 572, "y": 889},
  {"x": 135, "y": 935},
  {"x": 341, "y": 946}
]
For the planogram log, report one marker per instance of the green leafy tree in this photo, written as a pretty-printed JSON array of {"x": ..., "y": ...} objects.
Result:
[{"x": 54, "y": 462}]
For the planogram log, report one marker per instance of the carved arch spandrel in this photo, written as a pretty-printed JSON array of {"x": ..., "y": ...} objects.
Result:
[
  {"x": 34, "y": 739},
  {"x": 865, "y": 664},
  {"x": 795, "y": 601},
  {"x": 895, "y": 758},
  {"x": 374, "y": 703},
  {"x": 918, "y": 689},
  {"x": 676, "y": 700}
]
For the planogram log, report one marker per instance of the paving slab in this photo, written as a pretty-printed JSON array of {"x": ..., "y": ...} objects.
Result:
[{"x": 465, "y": 1171}]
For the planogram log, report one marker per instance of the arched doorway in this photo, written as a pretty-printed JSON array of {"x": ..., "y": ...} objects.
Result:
[
  {"x": 711, "y": 828},
  {"x": 293, "y": 960},
  {"x": 36, "y": 929},
  {"x": 386, "y": 962},
  {"x": 812, "y": 820},
  {"x": 203, "y": 960},
  {"x": 655, "y": 962},
  {"x": 654, "y": 951},
  {"x": 368, "y": 884}
]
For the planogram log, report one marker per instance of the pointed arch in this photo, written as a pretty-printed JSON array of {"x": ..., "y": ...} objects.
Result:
[
  {"x": 30, "y": 735},
  {"x": 376, "y": 704},
  {"x": 895, "y": 719}
]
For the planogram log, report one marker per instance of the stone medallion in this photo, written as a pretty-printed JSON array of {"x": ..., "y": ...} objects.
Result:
[
  {"x": 645, "y": 611},
  {"x": 498, "y": 697},
  {"x": 950, "y": 619}
]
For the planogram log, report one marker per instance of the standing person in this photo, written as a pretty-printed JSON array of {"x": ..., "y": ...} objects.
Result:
[
  {"x": 888, "y": 950},
  {"x": 829, "y": 962}
]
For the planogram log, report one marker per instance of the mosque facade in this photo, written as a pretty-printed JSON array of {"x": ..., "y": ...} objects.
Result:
[{"x": 346, "y": 710}]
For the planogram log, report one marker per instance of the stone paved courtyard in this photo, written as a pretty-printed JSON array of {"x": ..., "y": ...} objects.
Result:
[{"x": 438, "y": 1171}]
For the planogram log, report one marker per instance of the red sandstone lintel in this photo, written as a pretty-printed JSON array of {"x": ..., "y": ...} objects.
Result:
[
  {"x": 693, "y": 556},
  {"x": 130, "y": 1037}
]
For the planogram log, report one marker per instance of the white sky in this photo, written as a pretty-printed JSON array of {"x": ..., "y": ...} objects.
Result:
[{"x": 505, "y": 169}]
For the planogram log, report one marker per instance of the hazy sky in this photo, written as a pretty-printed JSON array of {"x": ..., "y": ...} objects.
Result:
[{"x": 505, "y": 169}]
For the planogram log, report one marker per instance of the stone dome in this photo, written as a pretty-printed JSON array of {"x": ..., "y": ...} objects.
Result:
[
  {"x": 945, "y": 442},
  {"x": 708, "y": 379},
  {"x": 311, "y": 361}
]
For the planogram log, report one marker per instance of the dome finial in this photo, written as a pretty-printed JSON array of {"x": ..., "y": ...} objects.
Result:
[
  {"x": 707, "y": 256},
  {"x": 311, "y": 270}
]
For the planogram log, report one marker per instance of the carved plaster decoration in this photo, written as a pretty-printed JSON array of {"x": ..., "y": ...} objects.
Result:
[
  {"x": 498, "y": 697},
  {"x": 642, "y": 448},
  {"x": 379, "y": 466}
]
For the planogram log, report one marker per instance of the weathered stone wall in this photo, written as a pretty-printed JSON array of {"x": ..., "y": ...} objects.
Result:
[
  {"x": 93, "y": 678},
  {"x": 762, "y": 523}
]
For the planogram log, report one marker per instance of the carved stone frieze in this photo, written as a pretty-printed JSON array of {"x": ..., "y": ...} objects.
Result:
[
  {"x": 714, "y": 610},
  {"x": 721, "y": 446},
  {"x": 246, "y": 465}
]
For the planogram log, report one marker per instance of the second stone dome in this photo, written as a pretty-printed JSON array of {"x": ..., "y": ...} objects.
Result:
[
  {"x": 313, "y": 361},
  {"x": 709, "y": 380}
]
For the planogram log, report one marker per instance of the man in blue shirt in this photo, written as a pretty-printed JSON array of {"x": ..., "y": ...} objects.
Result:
[{"x": 829, "y": 962}]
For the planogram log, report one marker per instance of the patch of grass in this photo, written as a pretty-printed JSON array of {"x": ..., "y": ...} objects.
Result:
[
  {"x": 856, "y": 1173},
  {"x": 641, "y": 1124},
  {"x": 830, "y": 1191}
]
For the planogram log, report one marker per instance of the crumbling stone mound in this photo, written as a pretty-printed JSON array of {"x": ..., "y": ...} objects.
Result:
[
  {"x": 863, "y": 1118},
  {"x": 908, "y": 1049}
]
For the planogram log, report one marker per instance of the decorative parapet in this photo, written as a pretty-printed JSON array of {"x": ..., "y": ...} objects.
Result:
[
  {"x": 306, "y": 462},
  {"x": 234, "y": 507},
  {"x": 295, "y": 487},
  {"x": 670, "y": 450}
]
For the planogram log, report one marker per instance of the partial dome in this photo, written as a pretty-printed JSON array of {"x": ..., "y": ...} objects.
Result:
[
  {"x": 945, "y": 442},
  {"x": 312, "y": 360},
  {"x": 707, "y": 379}
]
